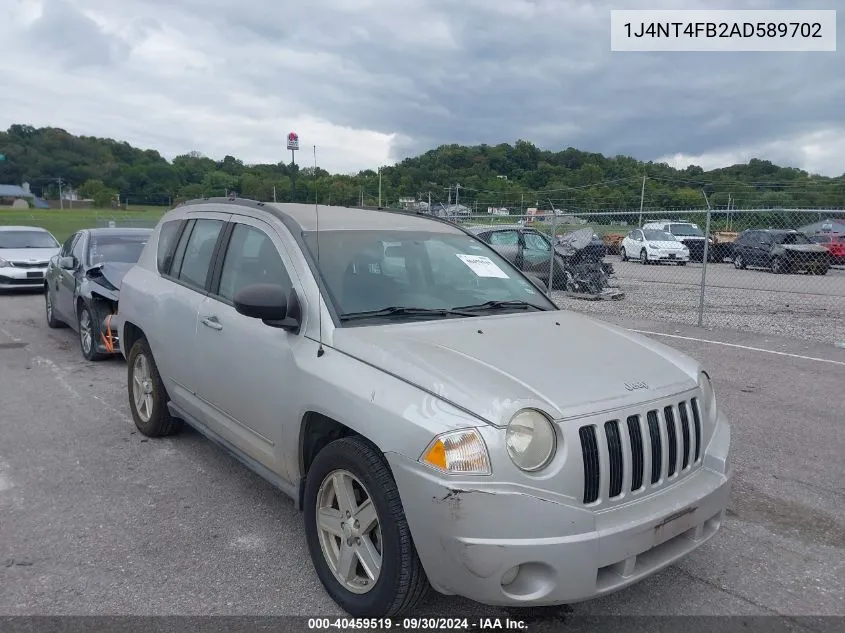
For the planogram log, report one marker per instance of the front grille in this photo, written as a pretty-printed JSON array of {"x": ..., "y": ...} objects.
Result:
[
  {"x": 640, "y": 451},
  {"x": 29, "y": 264}
]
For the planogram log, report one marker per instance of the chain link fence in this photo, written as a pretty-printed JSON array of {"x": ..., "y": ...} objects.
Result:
[
  {"x": 777, "y": 272},
  {"x": 770, "y": 271}
]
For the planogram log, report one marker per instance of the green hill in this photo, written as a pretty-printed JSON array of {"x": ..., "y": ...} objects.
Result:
[{"x": 518, "y": 175}]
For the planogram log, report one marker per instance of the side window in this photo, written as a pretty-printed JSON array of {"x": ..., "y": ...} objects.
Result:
[
  {"x": 167, "y": 236},
  {"x": 196, "y": 256},
  {"x": 504, "y": 238},
  {"x": 67, "y": 247},
  {"x": 535, "y": 242},
  {"x": 78, "y": 247},
  {"x": 765, "y": 238},
  {"x": 251, "y": 258}
]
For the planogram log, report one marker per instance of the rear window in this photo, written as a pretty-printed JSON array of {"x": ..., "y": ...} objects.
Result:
[
  {"x": 167, "y": 237},
  {"x": 685, "y": 229}
]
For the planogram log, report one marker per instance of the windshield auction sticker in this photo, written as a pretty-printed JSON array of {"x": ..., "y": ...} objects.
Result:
[
  {"x": 704, "y": 30},
  {"x": 482, "y": 266}
]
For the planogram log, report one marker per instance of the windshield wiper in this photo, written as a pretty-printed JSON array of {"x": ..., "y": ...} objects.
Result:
[
  {"x": 402, "y": 311},
  {"x": 500, "y": 305}
]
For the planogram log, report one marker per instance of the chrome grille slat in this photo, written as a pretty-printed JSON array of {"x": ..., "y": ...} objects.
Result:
[{"x": 635, "y": 452}]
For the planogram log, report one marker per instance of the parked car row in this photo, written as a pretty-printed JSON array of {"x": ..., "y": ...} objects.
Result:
[
  {"x": 780, "y": 250},
  {"x": 375, "y": 367}
]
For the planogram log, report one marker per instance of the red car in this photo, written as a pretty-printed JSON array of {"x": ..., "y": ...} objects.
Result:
[{"x": 834, "y": 243}]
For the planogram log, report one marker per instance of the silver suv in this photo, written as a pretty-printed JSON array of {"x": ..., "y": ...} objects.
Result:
[{"x": 437, "y": 418}]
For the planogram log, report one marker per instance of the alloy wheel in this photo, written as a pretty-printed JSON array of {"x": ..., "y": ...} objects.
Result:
[{"x": 349, "y": 531}]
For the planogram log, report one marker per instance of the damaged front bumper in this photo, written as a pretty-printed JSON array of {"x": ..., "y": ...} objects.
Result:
[{"x": 499, "y": 543}]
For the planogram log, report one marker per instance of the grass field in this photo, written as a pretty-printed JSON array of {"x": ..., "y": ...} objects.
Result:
[{"x": 62, "y": 222}]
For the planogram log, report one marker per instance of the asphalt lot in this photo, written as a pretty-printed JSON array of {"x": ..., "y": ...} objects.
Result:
[
  {"x": 755, "y": 301},
  {"x": 95, "y": 519}
]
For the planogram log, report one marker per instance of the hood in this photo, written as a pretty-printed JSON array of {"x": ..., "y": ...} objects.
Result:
[
  {"x": 804, "y": 248},
  {"x": 563, "y": 363},
  {"x": 666, "y": 245},
  {"x": 111, "y": 273},
  {"x": 28, "y": 255}
]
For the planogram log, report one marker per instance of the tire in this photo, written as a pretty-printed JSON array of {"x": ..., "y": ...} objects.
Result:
[
  {"x": 52, "y": 321},
  {"x": 644, "y": 257},
  {"x": 623, "y": 254},
  {"x": 89, "y": 333},
  {"x": 400, "y": 583},
  {"x": 778, "y": 266},
  {"x": 739, "y": 263},
  {"x": 153, "y": 419},
  {"x": 682, "y": 263},
  {"x": 822, "y": 271}
]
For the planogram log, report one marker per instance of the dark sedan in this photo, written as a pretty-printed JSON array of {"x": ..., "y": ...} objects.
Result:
[
  {"x": 781, "y": 250},
  {"x": 82, "y": 284}
]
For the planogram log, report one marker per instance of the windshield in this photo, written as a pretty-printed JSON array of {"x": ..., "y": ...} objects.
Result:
[
  {"x": 366, "y": 271},
  {"x": 27, "y": 239},
  {"x": 792, "y": 238},
  {"x": 658, "y": 236},
  {"x": 116, "y": 248},
  {"x": 686, "y": 229}
]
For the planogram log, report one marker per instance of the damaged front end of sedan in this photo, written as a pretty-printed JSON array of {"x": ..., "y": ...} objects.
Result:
[{"x": 100, "y": 290}]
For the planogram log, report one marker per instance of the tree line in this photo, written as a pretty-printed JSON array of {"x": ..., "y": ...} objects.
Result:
[{"x": 514, "y": 176}]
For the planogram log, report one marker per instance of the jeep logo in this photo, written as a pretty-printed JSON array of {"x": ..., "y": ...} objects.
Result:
[{"x": 633, "y": 386}]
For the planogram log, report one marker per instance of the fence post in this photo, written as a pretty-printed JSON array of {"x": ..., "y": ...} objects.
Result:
[
  {"x": 552, "y": 254},
  {"x": 705, "y": 257}
]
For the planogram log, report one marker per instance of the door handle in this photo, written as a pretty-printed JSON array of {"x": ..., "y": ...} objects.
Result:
[{"x": 212, "y": 322}]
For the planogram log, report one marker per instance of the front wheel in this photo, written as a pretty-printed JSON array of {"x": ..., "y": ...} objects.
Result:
[
  {"x": 739, "y": 263},
  {"x": 623, "y": 254},
  {"x": 778, "y": 266},
  {"x": 89, "y": 335},
  {"x": 357, "y": 532},
  {"x": 643, "y": 256}
]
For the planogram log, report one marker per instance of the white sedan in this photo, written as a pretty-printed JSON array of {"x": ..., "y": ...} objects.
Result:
[{"x": 650, "y": 245}]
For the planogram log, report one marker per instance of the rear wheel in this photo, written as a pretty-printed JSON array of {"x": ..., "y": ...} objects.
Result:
[
  {"x": 147, "y": 396},
  {"x": 357, "y": 532},
  {"x": 778, "y": 266},
  {"x": 739, "y": 263},
  {"x": 623, "y": 254},
  {"x": 52, "y": 321}
]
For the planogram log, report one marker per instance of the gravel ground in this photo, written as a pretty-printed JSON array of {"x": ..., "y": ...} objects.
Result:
[
  {"x": 97, "y": 520},
  {"x": 798, "y": 306}
]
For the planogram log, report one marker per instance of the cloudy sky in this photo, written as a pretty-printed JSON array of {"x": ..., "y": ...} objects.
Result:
[{"x": 373, "y": 81}]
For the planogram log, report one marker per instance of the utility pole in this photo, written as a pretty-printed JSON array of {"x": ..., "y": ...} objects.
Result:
[
  {"x": 457, "y": 186},
  {"x": 429, "y": 202},
  {"x": 274, "y": 193},
  {"x": 379, "y": 187},
  {"x": 61, "y": 201},
  {"x": 642, "y": 199},
  {"x": 522, "y": 205}
]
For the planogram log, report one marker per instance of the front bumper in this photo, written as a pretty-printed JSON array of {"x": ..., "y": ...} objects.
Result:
[
  {"x": 19, "y": 277},
  {"x": 668, "y": 256},
  {"x": 470, "y": 537}
]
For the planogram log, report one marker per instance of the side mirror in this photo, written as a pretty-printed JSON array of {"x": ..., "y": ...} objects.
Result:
[
  {"x": 268, "y": 303},
  {"x": 539, "y": 283},
  {"x": 67, "y": 263}
]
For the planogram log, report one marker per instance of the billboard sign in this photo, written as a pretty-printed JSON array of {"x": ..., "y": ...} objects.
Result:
[{"x": 293, "y": 141}]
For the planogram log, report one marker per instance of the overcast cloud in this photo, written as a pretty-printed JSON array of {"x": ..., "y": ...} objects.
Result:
[{"x": 372, "y": 81}]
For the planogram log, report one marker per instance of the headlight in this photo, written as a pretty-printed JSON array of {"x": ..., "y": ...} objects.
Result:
[
  {"x": 4, "y": 263},
  {"x": 708, "y": 398},
  {"x": 530, "y": 440},
  {"x": 458, "y": 452}
]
